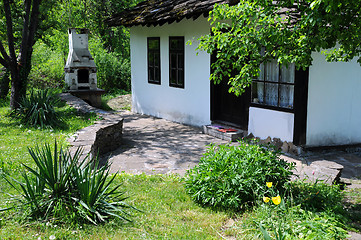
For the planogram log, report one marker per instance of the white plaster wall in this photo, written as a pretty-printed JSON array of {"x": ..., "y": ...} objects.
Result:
[
  {"x": 190, "y": 105},
  {"x": 265, "y": 123},
  {"x": 334, "y": 103}
]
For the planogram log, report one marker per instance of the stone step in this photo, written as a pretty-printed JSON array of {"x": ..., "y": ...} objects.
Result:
[
  {"x": 224, "y": 132},
  {"x": 324, "y": 171}
]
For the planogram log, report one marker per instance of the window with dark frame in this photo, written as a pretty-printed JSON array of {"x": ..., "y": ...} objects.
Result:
[
  {"x": 274, "y": 88},
  {"x": 153, "y": 44},
  {"x": 176, "y": 62}
]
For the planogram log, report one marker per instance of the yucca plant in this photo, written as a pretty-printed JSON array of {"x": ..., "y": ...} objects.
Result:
[
  {"x": 62, "y": 185},
  {"x": 97, "y": 199},
  {"x": 38, "y": 109}
]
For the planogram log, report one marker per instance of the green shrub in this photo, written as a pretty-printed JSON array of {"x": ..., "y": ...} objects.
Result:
[
  {"x": 316, "y": 196},
  {"x": 65, "y": 188},
  {"x": 47, "y": 69},
  {"x": 112, "y": 71},
  {"x": 38, "y": 109},
  {"x": 232, "y": 176}
]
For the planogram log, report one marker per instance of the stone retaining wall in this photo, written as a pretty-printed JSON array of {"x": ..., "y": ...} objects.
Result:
[{"x": 102, "y": 137}]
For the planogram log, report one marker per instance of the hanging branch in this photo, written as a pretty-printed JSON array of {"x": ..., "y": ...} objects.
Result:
[
  {"x": 5, "y": 57},
  {"x": 9, "y": 31}
]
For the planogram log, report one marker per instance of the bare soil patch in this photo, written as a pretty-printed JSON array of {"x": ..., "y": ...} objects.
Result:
[{"x": 123, "y": 102}]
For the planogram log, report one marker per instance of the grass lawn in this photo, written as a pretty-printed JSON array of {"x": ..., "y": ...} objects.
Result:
[{"x": 167, "y": 211}]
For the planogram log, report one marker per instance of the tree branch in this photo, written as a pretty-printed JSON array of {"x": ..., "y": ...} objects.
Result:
[
  {"x": 32, "y": 27},
  {"x": 3, "y": 62},
  {"x": 9, "y": 30},
  {"x": 25, "y": 33},
  {"x": 3, "y": 52}
]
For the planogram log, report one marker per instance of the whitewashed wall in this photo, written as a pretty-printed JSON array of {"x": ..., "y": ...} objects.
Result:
[
  {"x": 265, "y": 123},
  {"x": 334, "y": 103},
  {"x": 190, "y": 105}
]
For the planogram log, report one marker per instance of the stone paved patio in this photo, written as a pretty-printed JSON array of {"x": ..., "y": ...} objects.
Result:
[{"x": 152, "y": 145}]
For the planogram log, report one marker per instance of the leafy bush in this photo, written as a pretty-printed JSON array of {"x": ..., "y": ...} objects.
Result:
[
  {"x": 112, "y": 71},
  {"x": 232, "y": 176},
  {"x": 63, "y": 187},
  {"x": 47, "y": 68},
  {"x": 316, "y": 196},
  {"x": 38, "y": 109}
]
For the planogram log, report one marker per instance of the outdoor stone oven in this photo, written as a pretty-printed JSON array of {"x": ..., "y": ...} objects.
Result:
[{"x": 80, "y": 69}]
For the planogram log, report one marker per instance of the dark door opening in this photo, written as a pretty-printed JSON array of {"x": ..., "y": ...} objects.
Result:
[
  {"x": 227, "y": 107},
  {"x": 83, "y": 76}
]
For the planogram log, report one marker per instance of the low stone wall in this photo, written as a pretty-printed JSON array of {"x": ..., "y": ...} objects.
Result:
[
  {"x": 102, "y": 137},
  {"x": 108, "y": 137}
]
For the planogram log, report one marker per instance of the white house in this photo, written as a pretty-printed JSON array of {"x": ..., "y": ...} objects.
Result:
[{"x": 317, "y": 107}]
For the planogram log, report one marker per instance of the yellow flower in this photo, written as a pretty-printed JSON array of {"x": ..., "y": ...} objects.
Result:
[
  {"x": 269, "y": 184},
  {"x": 266, "y": 199},
  {"x": 276, "y": 200}
]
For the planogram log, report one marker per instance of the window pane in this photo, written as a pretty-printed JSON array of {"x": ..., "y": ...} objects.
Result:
[
  {"x": 173, "y": 76},
  {"x": 261, "y": 73},
  {"x": 150, "y": 74},
  {"x": 257, "y": 92},
  {"x": 286, "y": 96},
  {"x": 180, "y": 78},
  {"x": 288, "y": 73},
  {"x": 156, "y": 73},
  {"x": 153, "y": 44},
  {"x": 150, "y": 59},
  {"x": 156, "y": 59},
  {"x": 173, "y": 60},
  {"x": 272, "y": 71},
  {"x": 176, "y": 43},
  {"x": 180, "y": 61},
  {"x": 271, "y": 97}
]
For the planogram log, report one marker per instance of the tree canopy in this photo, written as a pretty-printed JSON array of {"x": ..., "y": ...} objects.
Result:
[
  {"x": 24, "y": 22},
  {"x": 252, "y": 32}
]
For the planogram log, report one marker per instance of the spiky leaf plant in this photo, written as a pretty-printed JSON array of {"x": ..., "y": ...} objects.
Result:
[
  {"x": 97, "y": 199},
  {"x": 37, "y": 109},
  {"x": 64, "y": 187}
]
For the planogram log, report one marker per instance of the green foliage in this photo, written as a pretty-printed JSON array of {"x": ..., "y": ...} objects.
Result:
[
  {"x": 38, "y": 109},
  {"x": 300, "y": 215},
  {"x": 47, "y": 67},
  {"x": 253, "y": 32},
  {"x": 316, "y": 196},
  {"x": 231, "y": 176},
  {"x": 295, "y": 223},
  {"x": 113, "y": 72},
  {"x": 64, "y": 187},
  {"x": 4, "y": 83}
]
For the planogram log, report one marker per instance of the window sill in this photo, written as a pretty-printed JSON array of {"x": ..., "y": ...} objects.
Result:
[
  {"x": 176, "y": 86},
  {"x": 155, "y": 83},
  {"x": 281, "y": 109}
]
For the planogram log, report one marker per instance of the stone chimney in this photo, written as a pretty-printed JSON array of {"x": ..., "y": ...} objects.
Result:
[{"x": 80, "y": 69}]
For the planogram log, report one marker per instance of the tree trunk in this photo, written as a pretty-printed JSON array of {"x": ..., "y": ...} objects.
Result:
[
  {"x": 19, "y": 81},
  {"x": 20, "y": 66}
]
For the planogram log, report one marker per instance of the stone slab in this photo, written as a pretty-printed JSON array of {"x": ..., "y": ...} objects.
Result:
[{"x": 228, "y": 136}]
